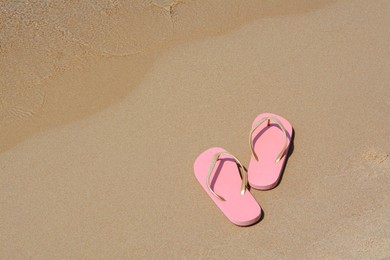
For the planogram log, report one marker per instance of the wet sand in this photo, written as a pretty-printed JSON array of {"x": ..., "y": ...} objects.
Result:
[{"x": 101, "y": 123}]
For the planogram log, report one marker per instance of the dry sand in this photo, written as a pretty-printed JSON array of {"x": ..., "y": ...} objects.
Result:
[{"x": 104, "y": 108}]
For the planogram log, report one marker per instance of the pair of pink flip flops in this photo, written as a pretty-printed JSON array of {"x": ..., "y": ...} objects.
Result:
[{"x": 225, "y": 179}]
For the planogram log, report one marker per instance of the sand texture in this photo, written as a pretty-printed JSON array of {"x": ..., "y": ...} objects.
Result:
[{"x": 104, "y": 107}]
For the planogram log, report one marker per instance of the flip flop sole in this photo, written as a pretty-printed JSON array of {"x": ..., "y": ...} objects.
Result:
[
  {"x": 268, "y": 142},
  {"x": 225, "y": 180}
]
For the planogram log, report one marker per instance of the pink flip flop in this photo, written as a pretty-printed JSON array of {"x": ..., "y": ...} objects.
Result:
[
  {"x": 269, "y": 140},
  {"x": 219, "y": 174}
]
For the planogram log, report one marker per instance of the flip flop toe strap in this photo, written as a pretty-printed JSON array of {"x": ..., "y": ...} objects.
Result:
[
  {"x": 244, "y": 176},
  {"x": 277, "y": 121}
]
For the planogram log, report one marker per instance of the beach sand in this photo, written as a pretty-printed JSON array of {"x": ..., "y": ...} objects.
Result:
[{"x": 105, "y": 107}]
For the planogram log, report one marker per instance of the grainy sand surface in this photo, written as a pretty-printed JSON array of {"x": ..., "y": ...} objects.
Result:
[{"x": 104, "y": 108}]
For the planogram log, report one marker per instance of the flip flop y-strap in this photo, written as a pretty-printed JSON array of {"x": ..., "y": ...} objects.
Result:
[
  {"x": 244, "y": 176},
  {"x": 277, "y": 121}
]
